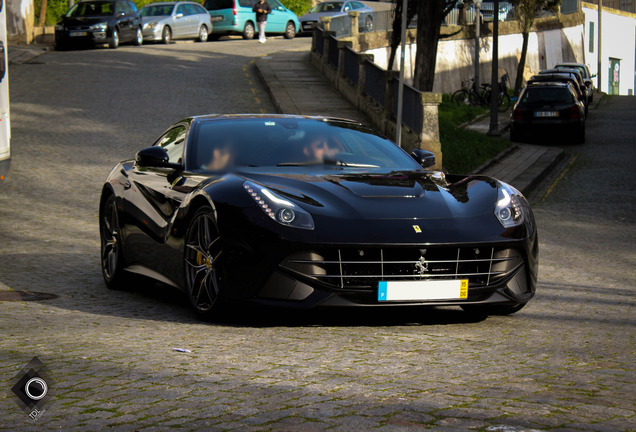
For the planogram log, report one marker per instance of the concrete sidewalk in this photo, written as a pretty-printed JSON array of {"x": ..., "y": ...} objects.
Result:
[{"x": 296, "y": 87}]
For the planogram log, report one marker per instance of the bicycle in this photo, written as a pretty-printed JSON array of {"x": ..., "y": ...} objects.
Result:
[{"x": 470, "y": 95}]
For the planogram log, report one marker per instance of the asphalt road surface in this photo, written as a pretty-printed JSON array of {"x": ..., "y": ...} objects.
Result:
[{"x": 563, "y": 363}]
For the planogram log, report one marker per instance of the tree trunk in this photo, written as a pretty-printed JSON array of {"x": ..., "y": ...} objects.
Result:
[
  {"x": 396, "y": 36},
  {"x": 42, "y": 13},
  {"x": 430, "y": 14},
  {"x": 522, "y": 63}
]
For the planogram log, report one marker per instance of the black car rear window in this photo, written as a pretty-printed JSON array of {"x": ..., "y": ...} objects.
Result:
[
  {"x": 547, "y": 95},
  {"x": 218, "y": 4}
]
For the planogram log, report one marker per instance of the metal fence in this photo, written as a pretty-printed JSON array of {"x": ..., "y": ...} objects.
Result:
[{"x": 375, "y": 82}]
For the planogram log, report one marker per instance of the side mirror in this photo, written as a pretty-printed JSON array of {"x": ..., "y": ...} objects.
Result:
[
  {"x": 179, "y": 15},
  {"x": 155, "y": 156},
  {"x": 424, "y": 157}
]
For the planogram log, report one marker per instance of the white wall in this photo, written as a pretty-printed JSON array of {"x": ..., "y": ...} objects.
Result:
[
  {"x": 455, "y": 58},
  {"x": 618, "y": 41}
]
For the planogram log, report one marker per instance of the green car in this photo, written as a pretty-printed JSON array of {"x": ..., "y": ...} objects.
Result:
[{"x": 236, "y": 17}]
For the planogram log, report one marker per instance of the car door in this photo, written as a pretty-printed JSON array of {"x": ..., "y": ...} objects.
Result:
[
  {"x": 151, "y": 201},
  {"x": 182, "y": 26},
  {"x": 124, "y": 16},
  {"x": 277, "y": 20}
]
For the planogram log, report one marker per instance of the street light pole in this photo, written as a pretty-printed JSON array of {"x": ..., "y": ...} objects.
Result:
[
  {"x": 477, "y": 35},
  {"x": 494, "y": 87}
]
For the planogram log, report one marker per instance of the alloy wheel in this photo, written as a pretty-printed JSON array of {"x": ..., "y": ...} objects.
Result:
[{"x": 202, "y": 263}]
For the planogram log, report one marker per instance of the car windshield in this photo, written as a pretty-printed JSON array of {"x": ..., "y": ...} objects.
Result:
[
  {"x": 327, "y": 7},
  {"x": 156, "y": 10},
  {"x": 221, "y": 144},
  {"x": 93, "y": 8},
  {"x": 547, "y": 95}
]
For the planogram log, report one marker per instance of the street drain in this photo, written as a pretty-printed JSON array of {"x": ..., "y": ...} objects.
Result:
[{"x": 25, "y": 296}]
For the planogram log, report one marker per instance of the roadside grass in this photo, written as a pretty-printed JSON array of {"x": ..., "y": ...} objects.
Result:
[{"x": 464, "y": 150}]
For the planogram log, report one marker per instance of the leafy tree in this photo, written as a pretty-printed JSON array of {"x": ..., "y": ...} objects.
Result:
[{"x": 527, "y": 11}]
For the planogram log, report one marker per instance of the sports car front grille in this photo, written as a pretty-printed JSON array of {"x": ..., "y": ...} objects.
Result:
[{"x": 363, "y": 268}]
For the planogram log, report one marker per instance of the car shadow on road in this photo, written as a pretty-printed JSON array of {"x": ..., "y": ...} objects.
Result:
[{"x": 75, "y": 283}]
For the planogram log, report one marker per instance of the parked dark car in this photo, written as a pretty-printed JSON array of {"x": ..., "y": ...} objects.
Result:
[
  {"x": 94, "y": 22},
  {"x": 585, "y": 73},
  {"x": 303, "y": 212},
  {"x": 548, "y": 109},
  {"x": 576, "y": 74},
  {"x": 565, "y": 77}
]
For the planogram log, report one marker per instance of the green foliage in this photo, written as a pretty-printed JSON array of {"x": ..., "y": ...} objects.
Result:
[
  {"x": 54, "y": 9},
  {"x": 464, "y": 150},
  {"x": 299, "y": 7}
]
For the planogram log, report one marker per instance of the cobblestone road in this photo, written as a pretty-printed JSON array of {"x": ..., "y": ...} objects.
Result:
[{"x": 564, "y": 363}]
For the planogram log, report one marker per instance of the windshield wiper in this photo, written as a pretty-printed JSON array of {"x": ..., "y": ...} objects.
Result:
[{"x": 336, "y": 162}]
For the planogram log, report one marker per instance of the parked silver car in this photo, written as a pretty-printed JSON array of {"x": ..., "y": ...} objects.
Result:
[
  {"x": 335, "y": 9},
  {"x": 175, "y": 20}
]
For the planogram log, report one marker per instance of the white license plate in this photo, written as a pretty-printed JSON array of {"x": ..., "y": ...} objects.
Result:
[
  {"x": 216, "y": 18},
  {"x": 78, "y": 33},
  {"x": 423, "y": 290},
  {"x": 546, "y": 114}
]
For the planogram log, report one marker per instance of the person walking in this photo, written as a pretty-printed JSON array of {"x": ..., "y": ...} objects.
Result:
[{"x": 261, "y": 8}]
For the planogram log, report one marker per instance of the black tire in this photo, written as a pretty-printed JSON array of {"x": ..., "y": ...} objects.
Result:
[
  {"x": 504, "y": 102},
  {"x": 248, "y": 31},
  {"x": 515, "y": 136},
  {"x": 114, "y": 41},
  {"x": 460, "y": 97},
  {"x": 139, "y": 37},
  {"x": 580, "y": 136},
  {"x": 203, "y": 34},
  {"x": 203, "y": 265},
  {"x": 112, "y": 261},
  {"x": 166, "y": 35},
  {"x": 290, "y": 30},
  {"x": 485, "y": 310}
]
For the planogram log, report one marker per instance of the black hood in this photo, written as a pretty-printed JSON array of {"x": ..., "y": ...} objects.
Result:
[{"x": 392, "y": 195}]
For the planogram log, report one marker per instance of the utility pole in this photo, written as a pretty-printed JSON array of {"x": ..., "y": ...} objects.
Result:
[
  {"x": 398, "y": 133},
  {"x": 477, "y": 34},
  {"x": 494, "y": 88},
  {"x": 599, "y": 52}
]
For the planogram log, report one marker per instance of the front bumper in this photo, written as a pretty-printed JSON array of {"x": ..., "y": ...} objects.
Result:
[{"x": 81, "y": 37}]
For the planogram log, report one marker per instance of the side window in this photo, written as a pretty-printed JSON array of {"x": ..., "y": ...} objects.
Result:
[
  {"x": 199, "y": 9},
  {"x": 126, "y": 7},
  {"x": 247, "y": 3},
  {"x": 173, "y": 141},
  {"x": 192, "y": 10},
  {"x": 133, "y": 7},
  {"x": 119, "y": 9},
  {"x": 182, "y": 10}
]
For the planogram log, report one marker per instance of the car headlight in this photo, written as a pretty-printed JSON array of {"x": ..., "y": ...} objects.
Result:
[
  {"x": 59, "y": 27},
  {"x": 278, "y": 208},
  {"x": 99, "y": 27},
  {"x": 151, "y": 25},
  {"x": 510, "y": 206}
]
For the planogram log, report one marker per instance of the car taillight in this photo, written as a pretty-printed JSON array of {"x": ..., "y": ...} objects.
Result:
[
  {"x": 234, "y": 11},
  {"x": 517, "y": 114},
  {"x": 575, "y": 113}
]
